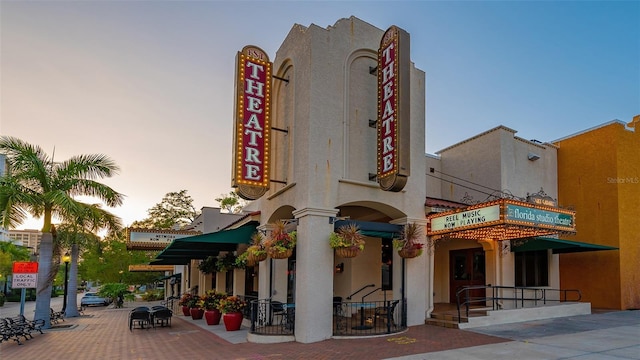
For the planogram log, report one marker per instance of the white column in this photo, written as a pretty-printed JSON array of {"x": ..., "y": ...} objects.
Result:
[
  {"x": 239, "y": 281},
  {"x": 314, "y": 275},
  {"x": 416, "y": 278}
]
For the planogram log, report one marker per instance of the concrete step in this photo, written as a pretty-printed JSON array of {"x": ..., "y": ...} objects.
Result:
[
  {"x": 451, "y": 324},
  {"x": 447, "y": 317}
]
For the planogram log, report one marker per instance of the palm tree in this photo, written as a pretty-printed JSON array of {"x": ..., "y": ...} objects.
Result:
[
  {"x": 79, "y": 233},
  {"x": 36, "y": 185}
]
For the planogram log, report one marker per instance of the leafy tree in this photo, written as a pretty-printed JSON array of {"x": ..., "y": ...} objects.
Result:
[
  {"x": 175, "y": 209},
  {"x": 108, "y": 262},
  {"x": 36, "y": 185},
  {"x": 10, "y": 253},
  {"x": 231, "y": 202},
  {"x": 117, "y": 292}
]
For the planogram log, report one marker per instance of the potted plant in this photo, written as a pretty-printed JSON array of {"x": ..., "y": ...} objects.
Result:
[
  {"x": 195, "y": 310},
  {"x": 242, "y": 261},
  {"x": 184, "y": 302},
  {"x": 409, "y": 245},
  {"x": 257, "y": 251},
  {"x": 225, "y": 262},
  {"x": 231, "y": 308},
  {"x": 210, "y": 303},
  {"x": 280, "y": 243},
  {"x": 208, "y": 265},
  {"x": 348, "y": 241}
]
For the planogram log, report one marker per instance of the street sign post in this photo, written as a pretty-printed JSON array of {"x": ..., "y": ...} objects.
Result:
[{"x": 25, "y": 276}]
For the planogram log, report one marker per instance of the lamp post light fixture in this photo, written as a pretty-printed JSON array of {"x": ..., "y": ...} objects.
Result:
[
  {"x": 66, "y": 259},
  {"x": 120, "y": 272}
]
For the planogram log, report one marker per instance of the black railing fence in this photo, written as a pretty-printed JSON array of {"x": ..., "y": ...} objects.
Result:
[
  {"x": 270, "y": 317},
  {"x": 369, "y": 317},
  {"x": 510, "y": 297},
  {"x": 246, "y": 312}
]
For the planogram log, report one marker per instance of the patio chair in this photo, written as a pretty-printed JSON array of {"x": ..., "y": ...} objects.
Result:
[
  {"x": 161, "y": 315},
  {"x": 141, "y": 317},
  {"x": 278, "y": 310},
  {"x": 386, "y": 313}
]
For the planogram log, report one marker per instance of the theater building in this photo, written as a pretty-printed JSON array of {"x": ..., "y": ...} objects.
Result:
[{"x": 332, "y": 132}]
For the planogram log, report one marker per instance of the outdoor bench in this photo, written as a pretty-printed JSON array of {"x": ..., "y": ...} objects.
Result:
[
  {"x": 56, "y": 315},
  {"x": 12, "y": 331}
]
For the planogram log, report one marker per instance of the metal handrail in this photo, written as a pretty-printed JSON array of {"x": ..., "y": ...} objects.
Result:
[
  {"x": 362, "y": 288},
  {"x": 538, "y": 295}
]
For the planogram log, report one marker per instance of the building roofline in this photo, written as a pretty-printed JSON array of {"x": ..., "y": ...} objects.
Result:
[{"x": 614, "y": 121}]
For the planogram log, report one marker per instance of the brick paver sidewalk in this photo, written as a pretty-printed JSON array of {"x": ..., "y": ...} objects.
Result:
[{"x": 103, "y": 333}]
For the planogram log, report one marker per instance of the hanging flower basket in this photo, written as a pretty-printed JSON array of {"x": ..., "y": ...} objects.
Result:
[
  {"x": 276, "y": 253},
  {"x": 254, "y": 259},
  {"x": 257, "y": 251},
  {"x": 280, "y": 243},
  {"x": 409, "y": 245},
  {"x": 348, "y": 241},
  {"x": 409, "y": 253},
  {"x": 347, "y": 252}
]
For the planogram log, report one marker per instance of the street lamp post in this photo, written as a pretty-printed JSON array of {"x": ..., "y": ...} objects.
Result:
[{"x": 66, "y": 259}]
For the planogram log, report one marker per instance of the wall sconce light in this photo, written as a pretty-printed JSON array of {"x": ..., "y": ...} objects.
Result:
[
  {"x": 339, "y": 268},
  {"x": 533, "y": 157}
]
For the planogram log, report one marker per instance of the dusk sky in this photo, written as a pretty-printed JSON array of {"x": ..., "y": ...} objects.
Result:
[{"x": 150, "y": 83}]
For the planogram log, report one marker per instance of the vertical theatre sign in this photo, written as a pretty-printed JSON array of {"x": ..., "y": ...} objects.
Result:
[
  {"x": 252, "y": 123},
  {"x": 393, "y": 110}
]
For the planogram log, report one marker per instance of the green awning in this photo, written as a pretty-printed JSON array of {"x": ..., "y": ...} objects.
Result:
[
  {"x": 558, "y": 246},
  {"x": 182, "y": 250}
]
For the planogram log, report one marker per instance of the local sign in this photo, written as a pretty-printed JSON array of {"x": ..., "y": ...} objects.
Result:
[
  {"x": 251, "y": 160},
  {"x": 25, "y": 275},
  {"x": 393, "y": 135},
  {"x": 25, "y": 267}
]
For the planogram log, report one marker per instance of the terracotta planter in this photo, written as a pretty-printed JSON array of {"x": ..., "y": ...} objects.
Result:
[
  {"x": 212, "y": 317},
  {"x": 232, "y": 321},
  {"x": 408, "y": 253},
  {"x": 275, "y": 254},
  {"x": 185, "y": 310},
  {"x": 196, "y": 313},
  {"x": 349, "y": 252}
]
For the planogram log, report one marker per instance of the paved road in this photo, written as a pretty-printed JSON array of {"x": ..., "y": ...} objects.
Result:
[
  {"x": 604, "y": 336},
  {"x": 11, "y": 309}
]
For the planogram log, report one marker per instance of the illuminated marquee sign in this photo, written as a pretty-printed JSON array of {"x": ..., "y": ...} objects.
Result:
[
  {"x": 393, "y": 110},
  {"x": 501, "y": 219},
  {"x": 471, "y": 218},
  {"x": 252, "y": 124},
  {"x": 553, "y": 219},
  {"x": 154, "y": 239}
]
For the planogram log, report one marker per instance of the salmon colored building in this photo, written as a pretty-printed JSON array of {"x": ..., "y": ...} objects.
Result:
[{"x": 599, "y": 175}]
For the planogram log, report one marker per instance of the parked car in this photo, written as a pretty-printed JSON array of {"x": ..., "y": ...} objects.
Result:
[{"x": 92, "y": 298}]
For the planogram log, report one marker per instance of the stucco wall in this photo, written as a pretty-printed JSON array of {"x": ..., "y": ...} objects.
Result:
[{"x": 599, "y": 174}]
